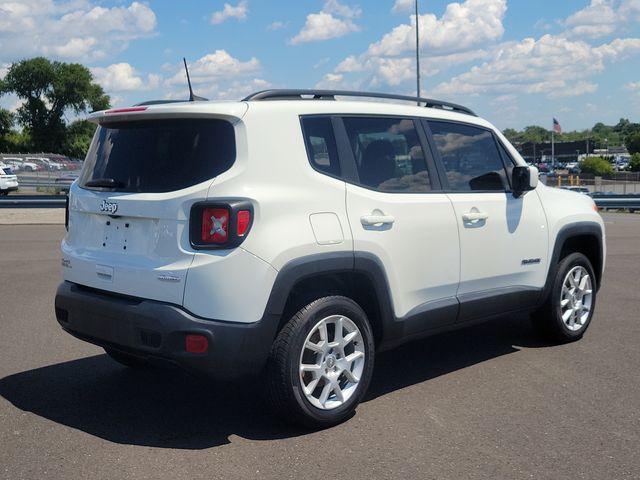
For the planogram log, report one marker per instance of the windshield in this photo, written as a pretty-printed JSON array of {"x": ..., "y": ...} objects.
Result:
[{"x": 158, "y": 155}]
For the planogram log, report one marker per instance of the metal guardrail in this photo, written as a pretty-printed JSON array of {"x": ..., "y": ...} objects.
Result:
[
  {"x": 33, "y": 201},
  {"x": 631, "y": 202}
]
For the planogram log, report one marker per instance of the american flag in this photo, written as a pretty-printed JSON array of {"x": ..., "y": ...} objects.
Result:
[{"x": 556, "y": 126}]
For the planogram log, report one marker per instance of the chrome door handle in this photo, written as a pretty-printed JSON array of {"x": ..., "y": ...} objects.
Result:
[
  {"x": 371, "y": 220},
  {"x": 474, "y": 216}
]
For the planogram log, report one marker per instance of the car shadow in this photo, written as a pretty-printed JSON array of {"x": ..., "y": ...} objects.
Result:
[
  {"x": 442, "y": 354},
  {"x": 169, "y": 409}
]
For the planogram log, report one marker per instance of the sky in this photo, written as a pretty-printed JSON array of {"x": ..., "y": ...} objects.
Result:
[{"x": 514, "y": 62}]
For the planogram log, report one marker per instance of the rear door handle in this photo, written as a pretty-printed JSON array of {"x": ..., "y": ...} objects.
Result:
[
  {"x": 371, "y": 220},
  {"x": 474, "y": 216}
]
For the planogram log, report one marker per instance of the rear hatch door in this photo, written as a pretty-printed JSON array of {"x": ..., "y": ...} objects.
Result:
[{"x": 129, "y": 210}]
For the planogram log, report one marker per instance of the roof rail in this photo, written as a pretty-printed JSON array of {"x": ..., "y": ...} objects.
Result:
[{"x": 309, "y": 94}]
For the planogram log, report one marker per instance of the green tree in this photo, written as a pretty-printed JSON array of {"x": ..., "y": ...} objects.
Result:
[
  {"x": 512, "y": 135},
  {"x": 6, "y": 124},
  {"x": 634, "y": 164},
  {"x": 49, "y": 89},
  {"x": 79, "y": 135},
  {"x": 534, "y": 133},
  {"x": 632, "y": 142},
  {"x": 596, "y": 165}
]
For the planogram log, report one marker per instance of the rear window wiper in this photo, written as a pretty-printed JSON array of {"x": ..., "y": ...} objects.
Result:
[{"x": 104, "y": 183}]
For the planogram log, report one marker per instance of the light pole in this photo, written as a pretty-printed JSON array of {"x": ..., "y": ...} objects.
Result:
[{"x": 417, "y": 58}]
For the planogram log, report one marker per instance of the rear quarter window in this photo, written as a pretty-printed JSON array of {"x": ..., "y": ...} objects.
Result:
[{"x": 159, "y": 155}]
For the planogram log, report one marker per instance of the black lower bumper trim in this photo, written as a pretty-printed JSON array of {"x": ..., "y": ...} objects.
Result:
[{"x": 157, "y": 330}]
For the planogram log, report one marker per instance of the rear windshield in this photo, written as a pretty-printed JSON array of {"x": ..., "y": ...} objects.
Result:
[{"x": 158, "y": 155}]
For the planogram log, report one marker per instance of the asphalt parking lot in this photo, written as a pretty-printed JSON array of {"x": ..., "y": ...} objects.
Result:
[{"x": 492, "y": 401}]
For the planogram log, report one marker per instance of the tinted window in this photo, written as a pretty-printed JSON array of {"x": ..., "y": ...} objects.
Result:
[
  {"x": 507, "y": 160},
  {"x": 388, "y": 154},
  {"x": 321, "y": 144},
  {"x": 160, "y": 155},
  {"x": 470, "y": 157}
]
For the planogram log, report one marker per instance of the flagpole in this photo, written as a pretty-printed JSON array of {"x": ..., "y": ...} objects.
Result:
[{"x": 553, "y": 150}]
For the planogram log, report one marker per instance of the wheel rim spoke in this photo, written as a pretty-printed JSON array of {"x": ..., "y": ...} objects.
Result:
[
  {"x": 350, "y": 376},
  {"x": 316, "y": 347},
  {"x": 311, "y": 386},
  {"x": 310, "y": 368},
  {"x": 354, "y": 356},
  {"x": 324, "y": 395}
]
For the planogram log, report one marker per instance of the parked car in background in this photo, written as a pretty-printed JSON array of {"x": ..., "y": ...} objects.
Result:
[
  {"x": 28, "y": 166},
  {"x": 621, "y": 164},
  {"x": 8, "y": 180},
  {"x": 544, "y": 167},
  {"x": 45, "y": 163},
  {"x": 573, "y": 167}
]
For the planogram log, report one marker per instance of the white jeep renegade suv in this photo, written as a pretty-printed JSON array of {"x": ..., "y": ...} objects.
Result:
[{"x": 293, "y": 235}]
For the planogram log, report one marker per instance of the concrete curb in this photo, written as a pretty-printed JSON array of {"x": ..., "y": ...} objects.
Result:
[{"x": 32, "y": 216}]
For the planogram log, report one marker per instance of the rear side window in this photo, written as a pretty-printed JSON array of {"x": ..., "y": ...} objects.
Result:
[
  {"x": 158, "y": 155},
  {"x": 470, "y": 157},
  {"x": 321, "y": 144},
  {"x": 388, "y": 154}
]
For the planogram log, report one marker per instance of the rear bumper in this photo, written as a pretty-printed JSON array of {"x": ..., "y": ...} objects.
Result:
[{"x": 157, "y": 331}]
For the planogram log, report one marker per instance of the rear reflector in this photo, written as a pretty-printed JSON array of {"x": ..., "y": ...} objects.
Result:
[
  {"x": 244, "y": 220},
  {"x": 196, "y": 344},
  {"x": 215, "y": 225}
]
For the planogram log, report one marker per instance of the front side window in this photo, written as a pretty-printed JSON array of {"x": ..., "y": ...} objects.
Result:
[
  {"x": 388, "y": 154},
  {"x": 155, "y": 156},
  {"x": 470, "y": 157}
]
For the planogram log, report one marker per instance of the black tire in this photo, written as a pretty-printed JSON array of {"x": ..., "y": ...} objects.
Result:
[
  {"x": 286, "y": 385},
  {"x": 127, "y": 360},
  {"x": 548, "y": 319}
]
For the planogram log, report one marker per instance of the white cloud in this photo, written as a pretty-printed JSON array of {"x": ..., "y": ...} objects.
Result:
[
  {"x": 323, "y": 26},
  {"x": 463, "y": 34},
  {"x": 240, "y": 89},
  {"x": 121, "y": 77},
  {"x": 214, "y": 67},
  {"x": 602, "y": 17},
  {"x": 74, "y": 30},
  {"x": 326, "y": 25},
  {"x": 633, "y": 87},
  {"x": 462, "y": 26},
  {"x": 580, "y": 88},
  {"x": 336, "y": 8},
  {"x": 229, "y": 11},
  {"x": 349, "y": 65},
  {"x": 276, "y": 26},
  {"x": 331, "y": 81},
  {"x": 403, "y": 6},
  {"x": 74, "y": 48},
  {"x": 596, "y": 20},
  {"x": 551, "y": 65}
]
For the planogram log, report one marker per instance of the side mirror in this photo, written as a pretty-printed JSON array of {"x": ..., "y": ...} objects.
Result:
[{"x": 523, "y": 179}]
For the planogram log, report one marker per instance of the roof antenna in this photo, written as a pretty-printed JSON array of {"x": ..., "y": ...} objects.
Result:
[{"x": 192, "y": 97}]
